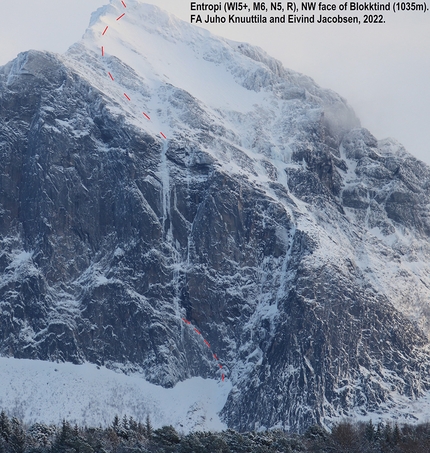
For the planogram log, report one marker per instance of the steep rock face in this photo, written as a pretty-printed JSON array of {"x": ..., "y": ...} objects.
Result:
[{"x": 288, "y": 235}]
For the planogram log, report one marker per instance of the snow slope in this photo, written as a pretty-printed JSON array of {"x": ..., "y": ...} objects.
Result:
[{"x": 86, "y": 394}]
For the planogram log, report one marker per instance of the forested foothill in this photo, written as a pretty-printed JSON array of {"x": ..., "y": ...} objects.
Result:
[{"x": 129, "y": 436}]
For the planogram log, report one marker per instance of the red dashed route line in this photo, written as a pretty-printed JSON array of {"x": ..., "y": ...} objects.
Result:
[
  {"x": 208, "y": 345},
  {"x": 161, "y": 133},
  {"x": 112, "y": 78}
]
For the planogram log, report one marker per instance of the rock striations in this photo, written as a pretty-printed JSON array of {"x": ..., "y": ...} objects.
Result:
[{"x": 290, "y": 236}]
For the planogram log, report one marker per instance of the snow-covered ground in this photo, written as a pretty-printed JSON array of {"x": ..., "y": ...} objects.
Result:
[{"x": 49, "y": 392}]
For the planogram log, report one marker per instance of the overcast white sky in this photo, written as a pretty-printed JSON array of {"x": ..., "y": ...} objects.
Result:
[{"x": 383, "y": 70}]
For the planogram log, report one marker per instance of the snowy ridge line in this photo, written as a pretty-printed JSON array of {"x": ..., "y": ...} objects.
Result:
[
  {"x": 111, "y": 76},
  {"x": 209, "y": 346}
]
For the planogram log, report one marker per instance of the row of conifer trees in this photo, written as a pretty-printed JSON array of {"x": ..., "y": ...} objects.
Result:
[{"x": 127, "y": 435}]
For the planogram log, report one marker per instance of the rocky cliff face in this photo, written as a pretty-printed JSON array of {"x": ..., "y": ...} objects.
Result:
[{"x": 293, "y": 239}]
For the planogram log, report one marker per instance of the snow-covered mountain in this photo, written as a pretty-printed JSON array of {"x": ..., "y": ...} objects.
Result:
[{"x": 179, "y": 205}]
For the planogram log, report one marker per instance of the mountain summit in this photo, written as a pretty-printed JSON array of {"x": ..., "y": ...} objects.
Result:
[{"x": 160, "y": 185}]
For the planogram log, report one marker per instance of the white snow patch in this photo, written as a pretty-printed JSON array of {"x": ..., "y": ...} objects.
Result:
[{"x": 20, "y": 258}]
